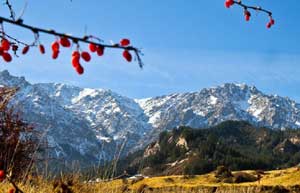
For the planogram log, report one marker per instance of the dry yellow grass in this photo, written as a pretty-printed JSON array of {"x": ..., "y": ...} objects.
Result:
[
  {"x": 287, "y": 177},
  {"x": 201, "y": 183}
]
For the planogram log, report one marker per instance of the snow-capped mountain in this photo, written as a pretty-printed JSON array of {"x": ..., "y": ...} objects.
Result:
[
  {"x": 227, "y": 102},
  {"x": 94, "y": 124}
]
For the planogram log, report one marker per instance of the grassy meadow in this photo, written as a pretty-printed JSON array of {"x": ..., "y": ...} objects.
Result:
[{"x": 287, "y": 180}]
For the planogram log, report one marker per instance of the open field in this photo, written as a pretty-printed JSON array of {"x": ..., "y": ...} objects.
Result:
[{"x": 272, "y": 181}]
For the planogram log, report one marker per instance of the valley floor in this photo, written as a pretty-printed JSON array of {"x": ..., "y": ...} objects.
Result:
[{"x": 277, "y": 181}]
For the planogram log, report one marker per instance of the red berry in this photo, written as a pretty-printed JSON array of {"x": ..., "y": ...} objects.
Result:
[
  {"x": 25, "y": 49},
  {"x": 55, "y": 54},
  {"x": 11, "y": 190},
  {"x": 86, "y": 56},
  {"x": 92, "y": 47},
  {"x": 14, "y": 47},
  {"x": 2, "y": 175},
  {"x": 65, "y": 42},
  {"x": 100, "y": 50},
  {"x": 76, "y": 53},
  {"x": 42, "y": 49},
  {"x": 229, "y": 3},
  {"x": 272, "y": 21},
  {"x": 75, "y": 61},
  {"x": 79, "y": 69},
  {"x": 55, "y": 46},
  {"x": 5, "y": 44},
  {"x": 6, "y": 57},
  {"x": 1, "y": 51},
  {"x": 125, "y": 42},
  {"x": 247, "y": 15},
  {"x": 127, "y": 55}
]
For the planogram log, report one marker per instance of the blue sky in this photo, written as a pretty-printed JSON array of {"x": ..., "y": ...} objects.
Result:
[{"x": 186, "y": 46}]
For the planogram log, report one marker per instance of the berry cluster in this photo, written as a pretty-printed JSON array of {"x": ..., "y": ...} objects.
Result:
[
  {"x": 247, "y": 14},
  {"x": 4, "y": 48},
  {"x": 77, "y": 55},
  {"x": 62, "y": 40},
  {"x": 66, "y": 43}
]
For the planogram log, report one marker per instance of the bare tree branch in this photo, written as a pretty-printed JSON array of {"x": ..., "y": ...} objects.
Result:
[
  {"x": 256, "y": 8},
  {"x": 12, "y": 12},
  {"x": 76, "y": 40},
  {"x": 229, "y": 3}
]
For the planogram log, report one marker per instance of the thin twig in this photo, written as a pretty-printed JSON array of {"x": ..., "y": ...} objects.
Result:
[
  {"x": 253, "y": 7},
  {"x": 12, "y": 12},
  {"x": 14, "y": 39}
]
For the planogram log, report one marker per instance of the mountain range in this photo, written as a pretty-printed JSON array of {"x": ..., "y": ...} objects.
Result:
[{"x": 94, "y": 125}]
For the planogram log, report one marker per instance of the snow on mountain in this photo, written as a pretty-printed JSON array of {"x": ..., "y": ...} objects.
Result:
[
  {"x": 91, "y": 124},
  {"x": 227, "y": 102}
]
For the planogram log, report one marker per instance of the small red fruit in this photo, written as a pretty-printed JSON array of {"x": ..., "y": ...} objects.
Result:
[
  {"x": 55, "y": 46},
  {"x": 65, "y": 42},
  {"x": 42, "y": 49},
  {"x": 86, "y": 56},
  {"x": 6, "y": 57},
  {"x": 100, "y": 50},
  {"x": 75, "y": 61},
  {"x": 1, "y": 51},
  {"x": 127, "y": 55},
  {"x": 11, "y": 190},
  {"x": 247, "y": 15},
  {"x": 55, "y": 54},
  {"x": 229, "y": 3},
  {"x": 125, "y": 42},
  {"x": 5, "y": 44},
  {"x": 76, "y": 53},
  {"x": 25, "y": 50},
  {"x": 271, "y": 22},
  {"x": 2, "y": 175},
  {"x": 92, "y": 47},
  {"x": 79, "y": 69}
]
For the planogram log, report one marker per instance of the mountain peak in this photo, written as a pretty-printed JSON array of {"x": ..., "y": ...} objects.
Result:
[
  {"x": 6, "y": 79},
  {"x": 238, "y": 86}
]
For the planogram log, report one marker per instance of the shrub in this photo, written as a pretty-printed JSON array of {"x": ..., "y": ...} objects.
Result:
[
  {"x": 241, "y": 177},
  {"x": 223, "y": 172},
  {"x": 18, "y": 140},
  {"x": 196, "y": 166}
]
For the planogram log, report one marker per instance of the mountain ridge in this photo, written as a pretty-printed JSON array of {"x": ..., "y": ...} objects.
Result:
[{"x": 92, "y": 124}]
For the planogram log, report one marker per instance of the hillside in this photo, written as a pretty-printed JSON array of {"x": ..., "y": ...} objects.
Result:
[{"x": 237, "y": 145}]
